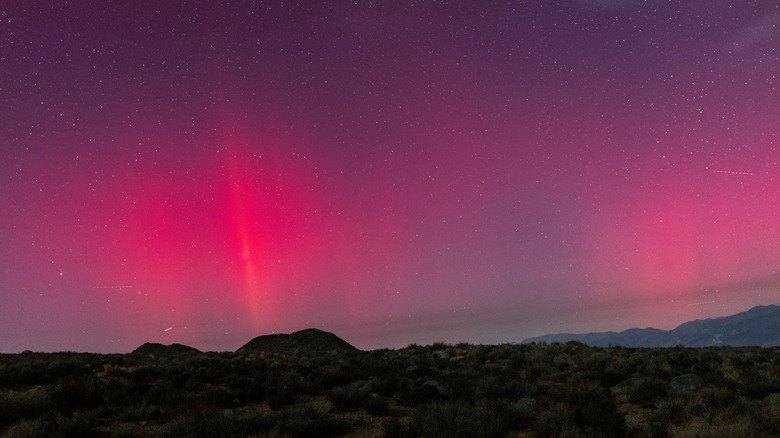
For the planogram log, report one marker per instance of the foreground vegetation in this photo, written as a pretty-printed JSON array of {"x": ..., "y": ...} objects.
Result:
[{"x": 555, "y": 390}]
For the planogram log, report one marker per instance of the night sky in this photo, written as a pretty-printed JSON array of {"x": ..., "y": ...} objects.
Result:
[{"x": 204, "y": 172}]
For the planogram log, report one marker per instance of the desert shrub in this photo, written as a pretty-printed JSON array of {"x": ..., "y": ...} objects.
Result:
[
  {"x": 128, "y": 431},
  {"x": 246, "y": 389},
  {"x": 449, "y": 419},
  {"x": 388, "y": 385},
  {"x": 237, "y": 382},
  {"x": 648, "y": 391},
  {"x": 302, "y": 422},
  {"x": 756, "y": 387},
  {"x": 218, "y": 396},
  {"x": 76, "y": 426},
  {"x": 162, "y": 393},
  {"x": 657, "y": 428},
  {"x": 461, "y": 384},
  {"x": 327, "y": 376},
  {"x": 120, "y": 392},
  {"x": 57, "y": 369},
  {"x": 556, "y": 421},
  {"x": 27, "y": 429},
  {"x": 392, "y": 428},
  {"x": 376, "y": 405},
  {"x": 353, "y": 395},
  {"x": 207, "y": 373},
  {"x": 670, "y": 411},
  {"x": 147, "y": 374},
  {"x": 142, "y": 411},
  {"x": 614, "y": 372},
  {"x": 225, "y": 424},
  {"x": 701, "y": 412},
  {"x": 595, "y": 412},
  {"x": 178, "y": 376},
  {"x": 375, "y": 365},
  {"x": 504, "y": 416},
  {"x": 767, "y": 426},
  {"x": 17, "y": 405},
  {"x": 415, "y": 392},
  {"x": 279, "y": 396},
  {"x": 307, "y": 422},
  {"x": 491, "y": 387},
  {"x": 681, "y": 360},
  {"x": 206, "y": 425},
  {"x": 517, "y": 389},
  {"x": 718, "y": 397},
  {"x": 23, "y": 372},
  {"x": 74, "y": 394}
]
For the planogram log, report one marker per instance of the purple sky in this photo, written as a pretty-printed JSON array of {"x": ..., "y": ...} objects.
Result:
[{"x": 204, "y": 172}]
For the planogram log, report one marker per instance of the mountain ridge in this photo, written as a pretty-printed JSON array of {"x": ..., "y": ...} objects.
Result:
[
  {"x": 759, "y": 326},
  {"x": 159, "y": 349},
  {"x": 309, "y": 340}
]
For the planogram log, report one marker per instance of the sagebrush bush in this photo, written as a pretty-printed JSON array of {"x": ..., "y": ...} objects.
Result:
[
  {"x": 448, "y": 419},
  {"x": 465, "y": 390},
  {"x": 77, "y": 394},
  {"x": 17, "y": 405},
  {"x": 306, "y": 422},
  {"x": 649, "y": 391}
]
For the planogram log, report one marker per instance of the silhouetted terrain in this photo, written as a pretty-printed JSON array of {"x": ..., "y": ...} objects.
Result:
[
  {"x": 759, "y": 326},
  {"x": 155, "y": 348},
  {"x": 289, "y": 386},
  {"x": 309, "y": 341}
]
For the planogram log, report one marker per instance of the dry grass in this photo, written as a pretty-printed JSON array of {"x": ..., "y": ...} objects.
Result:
[{"x": 568, "y": 390}]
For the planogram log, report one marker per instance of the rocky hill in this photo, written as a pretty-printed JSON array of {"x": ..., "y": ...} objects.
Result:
[
  {"x": 160, "y": 349},
  {"x": 309, "y": 340},
  {"x": 759, "y": 326}
]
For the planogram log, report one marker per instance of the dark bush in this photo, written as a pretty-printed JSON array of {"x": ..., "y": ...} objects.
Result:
[
  {"x": 18, "y": 405},
  {"x": 416, "y": 392},
  {"x": 225, "y": 424},
  {"x": 649, "y": 391},
  {"x": 306, "y": 422},
  {"x": 719, "y": 398},
  {"x": 75, "y": 394},
  {"x": 448, "y": 419},
  {"x": 392, "y": 428},
  {"x": 556, "y": 421},
  {"x": 147, "y": 374},
  {"x": 670, "y": 411},
  {"x": 353, "y": 395},
  {"x": 206, "y": 425},
  {"x": 77, "y": 426},
  {"x": 595, "y": 412},
  {"x": 757, "y": 388},
  {"x": 219, "y": 397},
  {"x": 120, "y": 392},
  {"x": 376, "y": 405},
  {"x": 23, "y": 372}
]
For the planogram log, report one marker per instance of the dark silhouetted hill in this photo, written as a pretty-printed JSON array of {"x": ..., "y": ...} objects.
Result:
[
  {"x": 309, "y": 341},
  {"x": 759, "y": 326},
  {"x": 160, "y": 349}
]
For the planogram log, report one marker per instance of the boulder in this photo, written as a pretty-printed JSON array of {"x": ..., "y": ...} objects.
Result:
[{"x": 686, "y": 383}]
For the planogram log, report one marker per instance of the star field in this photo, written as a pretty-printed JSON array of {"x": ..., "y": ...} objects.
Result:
[{"x": 394, "y": 172}]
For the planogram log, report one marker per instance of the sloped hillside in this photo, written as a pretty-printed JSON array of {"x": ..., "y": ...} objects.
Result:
[
  {"x": 161, "y": 349},
  {"x": 309, "y": 341}
]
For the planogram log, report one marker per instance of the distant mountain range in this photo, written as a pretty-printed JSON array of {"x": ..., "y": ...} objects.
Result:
[{"x": 759, "y": 326}]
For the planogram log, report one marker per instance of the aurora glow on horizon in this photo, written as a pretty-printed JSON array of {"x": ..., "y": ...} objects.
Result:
[{"x": 205, "y": 172}]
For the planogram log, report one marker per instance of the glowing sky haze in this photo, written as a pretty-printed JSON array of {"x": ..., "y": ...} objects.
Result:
[{"x": 204, "y": 172}]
